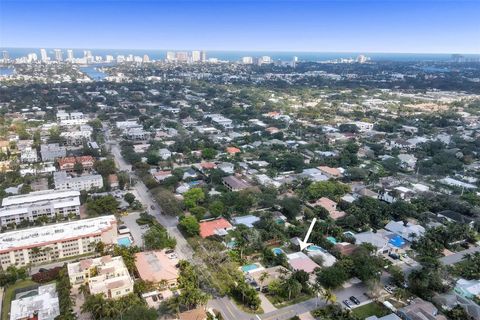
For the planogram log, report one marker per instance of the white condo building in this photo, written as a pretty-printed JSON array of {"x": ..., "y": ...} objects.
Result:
[
  {"x": 53, "y": 242},
  {"x": 48, "y": 203},
  {"x": 64, "y": 181},
  {"x": 106, "y": 275}
]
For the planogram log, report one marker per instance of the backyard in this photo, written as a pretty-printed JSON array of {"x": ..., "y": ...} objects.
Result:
[{"x": 371, "y": 309}]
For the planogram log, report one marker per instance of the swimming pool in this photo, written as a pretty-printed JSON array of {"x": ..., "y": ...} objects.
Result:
[
  {"x": 397, "y": 241},
  {"x": 314, "y": 248},
  {"x": 332, "y": 240},
  {"x": 125, "y": 241},
  {"x": 249, "y": 267},
  {"x": 277, "y": 251}
]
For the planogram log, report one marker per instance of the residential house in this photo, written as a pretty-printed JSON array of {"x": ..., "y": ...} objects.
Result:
[
  {"x": 331, "y": 173},
  {"x": 157, "y": 267},
  {"x": 235, "y": 184},
  {"x": 420, "y": 309},
  {"x": 331, "y": 207},
  {"x": 218, "y": 226}
]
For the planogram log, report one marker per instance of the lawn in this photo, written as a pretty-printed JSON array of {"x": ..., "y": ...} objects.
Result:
[
  {"x": 371, "y": 309},
  {"x": 280, "y": 302},
  {"x": 8, "y": 295}
]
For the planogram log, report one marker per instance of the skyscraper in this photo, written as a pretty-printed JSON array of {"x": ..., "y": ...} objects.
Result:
[
  {"x": 247, "y": 60},
  {"x": 146, "y": 58},
  {"x": 5, "y": 56},
  {"x": 203, "y": 56},
  {"x": 43, "y": 55},
  {"x": 87, "y": 54},
  {"x": 31, "y": 57},
  {"x": 170, "y": 56},
  {"x": 181, "y": 56},
  {"x": 58, "y": 55},
  {"x": 195, "y": 56},
  {"x": 70, "y": 55}
]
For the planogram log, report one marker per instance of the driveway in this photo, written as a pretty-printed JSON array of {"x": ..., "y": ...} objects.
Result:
[
  {"x": 457, "y": 257},
  {"x": 266, "y": 305},
  {"x": 135, "y": 230}
]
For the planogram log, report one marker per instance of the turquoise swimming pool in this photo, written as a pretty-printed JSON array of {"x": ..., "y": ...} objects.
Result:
[
  {"x": 314, "y": 248},
  {"x": 249, "y": 267},
  {"x": 125, "y": 241},
  {"x": 332, "y": 240}
]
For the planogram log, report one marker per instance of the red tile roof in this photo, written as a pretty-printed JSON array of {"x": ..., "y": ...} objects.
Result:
[
  {"x": 209, "y": 228},
  {"x": 233, "y": 150}
]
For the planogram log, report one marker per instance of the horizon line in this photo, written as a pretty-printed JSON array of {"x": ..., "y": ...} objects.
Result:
[{"x": 246, "y": 50}]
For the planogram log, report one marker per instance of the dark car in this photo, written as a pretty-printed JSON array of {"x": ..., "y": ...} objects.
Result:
[
  {"x": 354, "y": 300},
  {"x": 169, "y": 251},
  {"x": 347, "y": 303},
  {"x": 42, "y": 270}
]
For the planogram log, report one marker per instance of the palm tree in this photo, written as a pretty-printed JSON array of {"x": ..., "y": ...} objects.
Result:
[
  {"x": 264, "y": 276},
  {"x": 84, "y": 289},
  {"x": 316, "y": 289},
  {"x": 329, "y": 296}
]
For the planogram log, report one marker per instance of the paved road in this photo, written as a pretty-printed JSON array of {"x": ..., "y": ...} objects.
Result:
[
  {"x": 183, "y": 249},
  {"x": 231, "y": 312}
]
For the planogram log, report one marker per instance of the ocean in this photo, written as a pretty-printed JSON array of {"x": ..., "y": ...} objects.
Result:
[{"x": 236, "y": 55}]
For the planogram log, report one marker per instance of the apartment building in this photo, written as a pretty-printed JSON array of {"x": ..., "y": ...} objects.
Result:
[
  {"x": 51, "y": 151},
  {"x": 63, "y": 181},
  {"x": 49, "y": 243},
  {"x": 68, "y": 163},
  {"x": 106, "y": 275},
  {"x": 31, "y": 206},
  {"x": 29, "y": 155}
]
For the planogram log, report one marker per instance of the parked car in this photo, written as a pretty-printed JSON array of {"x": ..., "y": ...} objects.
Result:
[
  {"x": 388, "y": 289},
  {"x": 354, "y": 300},
  {"x": 347, "y": 304}
]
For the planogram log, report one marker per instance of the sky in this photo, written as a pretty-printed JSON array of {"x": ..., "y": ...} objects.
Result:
[{"x": 397, "y": 26}]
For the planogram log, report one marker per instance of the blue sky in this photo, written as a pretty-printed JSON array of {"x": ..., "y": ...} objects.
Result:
[{"x": 423, "y": 26}]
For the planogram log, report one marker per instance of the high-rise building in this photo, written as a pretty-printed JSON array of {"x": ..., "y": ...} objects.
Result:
[
  {"x": 203, "y": 56},
  {"x": 362, "y": 59},
  {"x": 146, "y": 58},
  {"x": 196, "y": 56},
  {"x": 181, "y": 56},
  {"x": 109, "y": 58},
  {"x": 87, "y": 54},
  {"x": 5, "y": 56},
  {"x": 264, "y": 60},
  {"x": 294, "y": 61},
  {"x": 31, "y": 57},
  {"x": 58, "y": 55},
  {"x": 70, "y": 56},
  {"x": 43, "y": 55},
  {"x": 170, "y": 56},
  {"x": 247, "y": 60}
]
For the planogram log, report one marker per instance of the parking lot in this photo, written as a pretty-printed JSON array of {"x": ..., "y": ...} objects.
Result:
[{"x": 135, "y": 230}]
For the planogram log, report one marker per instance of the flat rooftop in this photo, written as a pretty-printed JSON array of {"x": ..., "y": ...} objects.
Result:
[
  {"x": 44, "y": 195},
  {"x": 54, "y": 233},
  {"x": 44, "y": 303}
]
